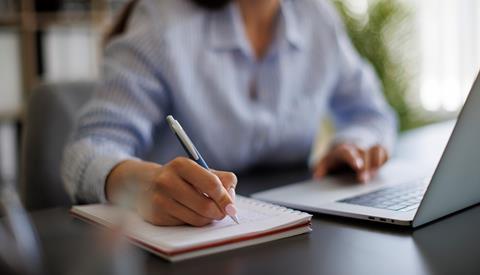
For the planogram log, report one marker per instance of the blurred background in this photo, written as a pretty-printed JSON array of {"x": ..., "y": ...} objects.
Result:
[{"x": 426, "y": 53}]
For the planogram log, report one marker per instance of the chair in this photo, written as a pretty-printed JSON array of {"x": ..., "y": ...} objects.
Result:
[{"x": 49, "y": 118}]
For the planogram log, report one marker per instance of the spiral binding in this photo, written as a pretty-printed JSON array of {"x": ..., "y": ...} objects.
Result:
[{"x": 270, "y": 206}]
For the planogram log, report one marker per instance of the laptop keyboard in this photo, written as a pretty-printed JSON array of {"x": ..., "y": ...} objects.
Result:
[{"x": 403, "y": 197}]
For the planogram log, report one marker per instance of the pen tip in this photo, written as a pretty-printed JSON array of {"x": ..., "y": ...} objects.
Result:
[{"x": 235, "y": 219}]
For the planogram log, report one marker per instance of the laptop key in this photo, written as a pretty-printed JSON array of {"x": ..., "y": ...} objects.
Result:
[
  {"x": 410, "y": 208},
  {"x": 405, "y": 197},
  {"x": 396, "y": 207}
]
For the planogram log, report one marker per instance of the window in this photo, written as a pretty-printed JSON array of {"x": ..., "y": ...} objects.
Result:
[
  {"x": 445, "y": 52},
  {"x": 449, "y": 39}
]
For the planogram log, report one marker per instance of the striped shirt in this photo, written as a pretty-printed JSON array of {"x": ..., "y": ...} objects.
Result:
[{"x": 198, "y": 65}]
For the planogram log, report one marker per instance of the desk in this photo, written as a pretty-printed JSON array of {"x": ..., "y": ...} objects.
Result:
[{"x": 336, "y": 245}]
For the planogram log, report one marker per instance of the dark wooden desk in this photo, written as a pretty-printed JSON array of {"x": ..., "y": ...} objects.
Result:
[{"x": 336, "y": 245}]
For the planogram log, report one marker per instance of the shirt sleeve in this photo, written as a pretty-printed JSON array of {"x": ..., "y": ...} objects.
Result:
[
  {"x": 118, "y": 122},
  {"x": 359, "y": 110}
]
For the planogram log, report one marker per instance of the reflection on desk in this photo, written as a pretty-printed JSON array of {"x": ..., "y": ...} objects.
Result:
[{"x": 451, "y": 246}]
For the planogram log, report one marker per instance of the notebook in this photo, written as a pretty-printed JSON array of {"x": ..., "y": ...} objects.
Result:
[{"x": 260, "y": 222}]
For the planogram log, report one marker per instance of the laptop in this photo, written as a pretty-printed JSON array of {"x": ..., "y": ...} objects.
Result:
[{"x": 406, "y": 192}]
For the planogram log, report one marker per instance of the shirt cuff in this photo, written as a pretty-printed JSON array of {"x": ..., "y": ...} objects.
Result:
[{"x": 98, "y": 170}]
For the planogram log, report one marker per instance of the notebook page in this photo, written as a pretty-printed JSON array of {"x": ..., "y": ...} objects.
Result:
[{"x": 254, "y": 217}]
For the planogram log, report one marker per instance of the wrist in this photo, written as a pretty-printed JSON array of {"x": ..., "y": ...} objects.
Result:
[{"x": 129, "y": 175}]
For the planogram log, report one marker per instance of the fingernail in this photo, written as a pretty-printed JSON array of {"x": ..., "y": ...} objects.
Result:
[
  {"x": 359, "y": 163},
  {"x": 231, "y": 210},
  {"x": 232, "y": 194},
  {"x": 365, "y": 177}
]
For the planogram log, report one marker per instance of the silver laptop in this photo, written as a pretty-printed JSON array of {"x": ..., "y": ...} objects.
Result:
[{"x": 408, "y": 191}]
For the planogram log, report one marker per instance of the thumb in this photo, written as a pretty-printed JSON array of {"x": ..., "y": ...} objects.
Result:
[{"x": 321, "y": 169}]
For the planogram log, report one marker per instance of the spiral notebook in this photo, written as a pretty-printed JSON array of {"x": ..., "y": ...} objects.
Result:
[{"x": 260, "y": 222}]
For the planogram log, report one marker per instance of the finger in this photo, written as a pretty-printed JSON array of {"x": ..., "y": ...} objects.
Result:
[
  {"x": 185, "y": 194},
  {"x": 229, "y": 181},
  {"x": 376, "y": 158},
  {"x": 152, "y": 214},
  {"x": 351, "y": 156},
  {"x": 322, "y": 168},
  {"x": 381, "y": 155},
  {"x": 163, "y": 220},
  {"x": 178, "y": 211},
  {"x": 186, "y": 215},
  {"x": 373, "y": 173},
  {"x": 205, "y": 181},
  {"x": 364, "y": 174}
]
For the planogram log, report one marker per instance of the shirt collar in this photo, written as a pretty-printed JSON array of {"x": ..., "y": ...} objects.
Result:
[
  {"x": 291, "y": 25},
  {"x": 225, "y": 30}
]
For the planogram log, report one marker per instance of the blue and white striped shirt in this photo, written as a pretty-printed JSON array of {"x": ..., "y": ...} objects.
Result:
[{"x": 176, "y": 58}]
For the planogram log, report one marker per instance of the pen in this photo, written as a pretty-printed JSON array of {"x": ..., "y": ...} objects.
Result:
[{"x": 192, "y": 151}]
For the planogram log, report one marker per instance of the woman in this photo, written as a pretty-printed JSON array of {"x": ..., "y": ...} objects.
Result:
[{"x": 250, "y": 80}]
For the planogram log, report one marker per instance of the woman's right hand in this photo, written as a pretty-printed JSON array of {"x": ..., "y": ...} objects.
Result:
[{"x": 179, "y": 192}]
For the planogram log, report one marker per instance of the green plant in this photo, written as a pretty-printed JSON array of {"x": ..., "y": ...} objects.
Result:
[{"x": 381, "y": 35}]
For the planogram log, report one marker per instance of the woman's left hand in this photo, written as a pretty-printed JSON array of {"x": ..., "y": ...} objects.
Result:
[{"x": 365, "y": 163}]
